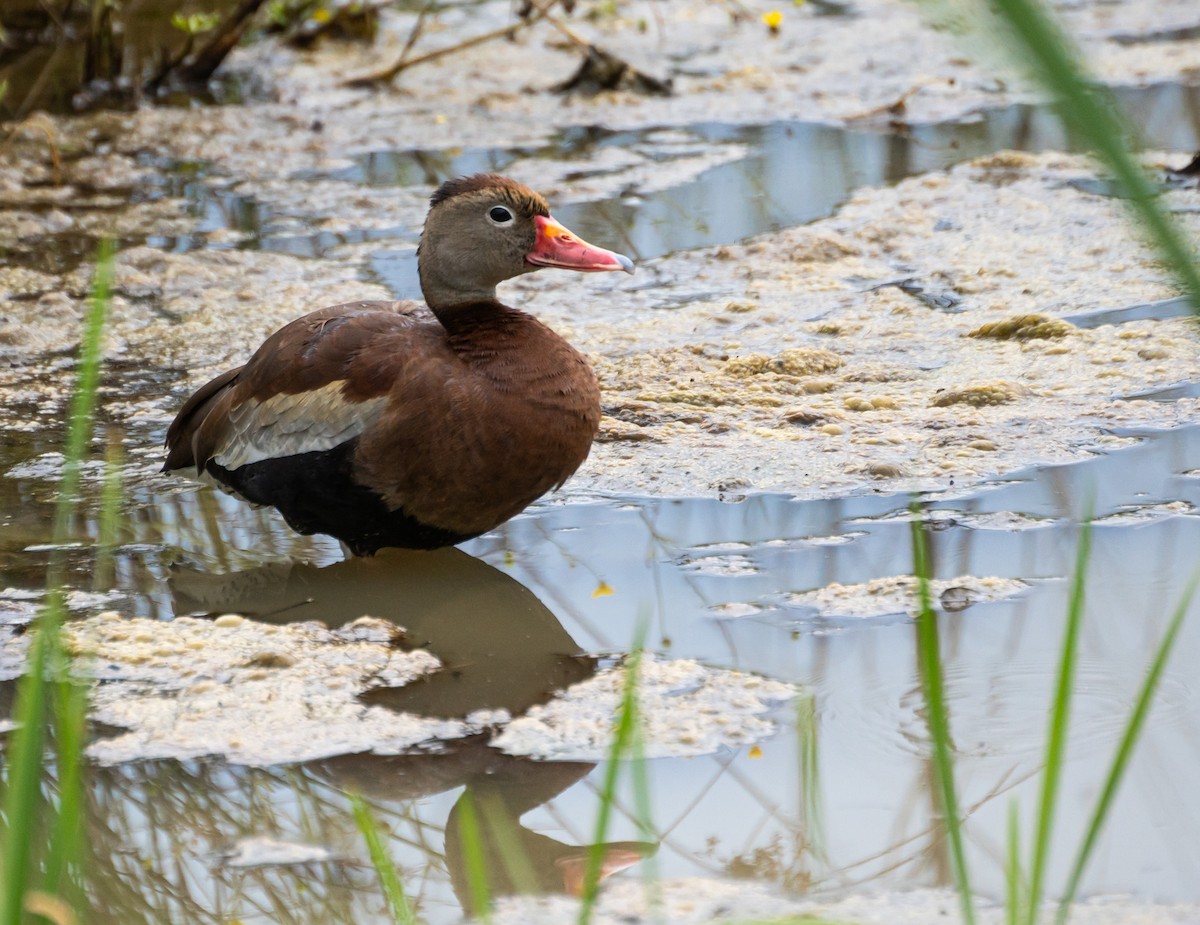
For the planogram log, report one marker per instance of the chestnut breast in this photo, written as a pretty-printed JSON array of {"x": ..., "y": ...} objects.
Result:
[{"x": 490, "y": 419}]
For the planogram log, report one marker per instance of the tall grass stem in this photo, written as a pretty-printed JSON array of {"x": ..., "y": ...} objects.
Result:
[
  {"x": 624, "y": 735},
  {"x": 23, "y": 798},
  {"x": 930, "y": 662},
  {"x": 1133, "y": 729},
  {"x": 385, "y": 868},
  {"x": 474, "y": 859},
  {"x": 1056, "y": 734}
]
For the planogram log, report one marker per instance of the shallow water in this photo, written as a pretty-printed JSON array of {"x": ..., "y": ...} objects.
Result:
[
  {"x": 862, "y": 815},
  {"x": 841, "y": 796},
  {"x": 792, "y": 173}
]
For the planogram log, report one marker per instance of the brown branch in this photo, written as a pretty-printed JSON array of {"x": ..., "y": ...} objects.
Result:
[
  {"x": 602, "y": 70},
  {"x": 417, "y": 31},
  {"x": 201, "y": 67},
  {"x": 404, "y": 63}
]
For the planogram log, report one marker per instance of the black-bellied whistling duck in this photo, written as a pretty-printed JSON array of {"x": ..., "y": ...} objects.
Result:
[{"x": 397, "y": 424}]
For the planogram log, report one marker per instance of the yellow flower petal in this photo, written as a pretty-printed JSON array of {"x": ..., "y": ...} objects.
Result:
[
  {"x": 773, "y": 19},
  {"x": 603, "y": 590}
]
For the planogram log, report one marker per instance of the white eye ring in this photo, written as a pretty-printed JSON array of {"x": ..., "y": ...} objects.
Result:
[{"x": 500, "y": 215}]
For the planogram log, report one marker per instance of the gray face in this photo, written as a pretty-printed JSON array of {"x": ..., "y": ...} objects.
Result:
[{"x": 476, "y": 240}]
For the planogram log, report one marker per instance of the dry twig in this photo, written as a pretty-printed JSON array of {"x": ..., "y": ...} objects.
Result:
[
  {"x": 39, "y": 120},
  {"x": 404, "y": 62}
]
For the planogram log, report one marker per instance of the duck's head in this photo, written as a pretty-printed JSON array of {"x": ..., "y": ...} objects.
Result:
[{"x": 484, "y": 229}]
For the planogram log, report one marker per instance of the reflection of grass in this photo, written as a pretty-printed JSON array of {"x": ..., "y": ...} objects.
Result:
[
  {"x": 627, "y": 744},
  {"x": 808, "y": 759},
  {"x": 474, "y": 859},
  {"x": 929, "y": 660},
  {"x": 1025, "y": 884},
  {"x": 43, "y": 844},
  {"x": 389, "y": 881}
]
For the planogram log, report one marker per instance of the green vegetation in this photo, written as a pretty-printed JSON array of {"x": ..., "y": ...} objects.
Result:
[
  {"x": 475, "y": 857},
  {"x": 43, "y": 847},
  {"x": 929, "y": 661},
  {"x": 1040, "y": 45},
  {"x": 1026, "y": 882},
  {"x": 389, "y": 880},
  {"x": 53, "y": 877},
  {"x": 627, "y": 744}
]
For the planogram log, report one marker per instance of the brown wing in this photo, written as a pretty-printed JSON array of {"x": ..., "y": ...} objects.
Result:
[
  {"x": 190, "y": 416},
  {"x": 296, "y": 394}
]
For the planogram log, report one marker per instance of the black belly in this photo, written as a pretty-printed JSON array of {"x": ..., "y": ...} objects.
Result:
[{"x": 315, "y": 493}]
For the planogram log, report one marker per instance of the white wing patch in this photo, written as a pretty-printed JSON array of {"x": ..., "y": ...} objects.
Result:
[{"x": 286, "y": 425}]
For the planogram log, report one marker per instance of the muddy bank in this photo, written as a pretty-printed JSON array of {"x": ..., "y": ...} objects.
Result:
[
  {"x": 925, "y": 336},
  {"x": 919, "y": 338},
  {"x": 695, "y": 901},
  {"x": 870, "y": 61},
  {"x": 915, "y": 339}
]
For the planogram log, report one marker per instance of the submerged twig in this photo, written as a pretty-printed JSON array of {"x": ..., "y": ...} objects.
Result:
[{"x": 602, "y": 70}]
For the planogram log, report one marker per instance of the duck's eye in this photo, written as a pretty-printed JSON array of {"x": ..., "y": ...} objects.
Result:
[{"x": 500, "y": 215}]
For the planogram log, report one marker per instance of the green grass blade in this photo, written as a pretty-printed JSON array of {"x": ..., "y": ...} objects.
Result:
[
  {"x": 23, "y": 794},
  {"x": 639, "y": 770},
  {"x": 65, "y": 860},
  {"x": 474, "y": 858},
  {"x": 502, "y": 831},
  {"x": 393, "y": 889},
  {"x": 930, "y": 662},
  {"x": 1091, "y": 113},
  {"x": 1012, "y": 869},
  {"x": 808, "y": 760},
  {"x": 1133, "y": 728},
  {"x": 1056, "y": 733},
  {"x": 83, "y": 399},
  {"x": 108, "y": 528},
  {"x": 625, "y": 732}
]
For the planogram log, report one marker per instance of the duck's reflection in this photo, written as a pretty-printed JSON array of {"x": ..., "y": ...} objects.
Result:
[{"x": 500, "y": 648}]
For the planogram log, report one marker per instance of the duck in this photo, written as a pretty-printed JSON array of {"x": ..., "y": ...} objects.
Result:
[{"x": 410, "y": 425}]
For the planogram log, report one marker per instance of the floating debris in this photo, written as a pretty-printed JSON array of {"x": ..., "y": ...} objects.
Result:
[
  {"x": 249, "y": 692},
  {"x": 734, "y": 609},
  {"x": 1024, "y": 327},
  {"x": 981, "y": 395},
  {"x": 942, "y": 518},
  {"x": 799, "y": 361},
  {"x": 686, "y": 709},
  {"x": 897, "y": 595},
  {"x": 726, "y": 566},
  {"x": 1144, "y": 514},
  {"x": 264, "y": 851}
]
